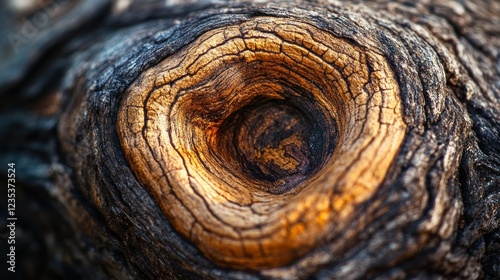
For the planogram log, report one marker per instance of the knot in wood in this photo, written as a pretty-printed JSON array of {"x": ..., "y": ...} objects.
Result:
[{"x": 259, "y": 139}]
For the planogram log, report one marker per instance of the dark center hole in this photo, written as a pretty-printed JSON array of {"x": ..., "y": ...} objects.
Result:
[{"x": 275, "y": 142}]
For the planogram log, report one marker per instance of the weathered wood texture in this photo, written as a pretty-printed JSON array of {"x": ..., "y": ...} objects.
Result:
[{"x": 243, "y": 140}]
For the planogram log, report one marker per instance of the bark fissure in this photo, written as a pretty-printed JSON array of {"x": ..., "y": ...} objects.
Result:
[{"x": 273, "y": 140}]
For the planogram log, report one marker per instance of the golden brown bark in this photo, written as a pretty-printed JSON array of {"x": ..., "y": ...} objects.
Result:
[
  {"x": 323, "y": 139},
  {"x": 227, "y": 185}
]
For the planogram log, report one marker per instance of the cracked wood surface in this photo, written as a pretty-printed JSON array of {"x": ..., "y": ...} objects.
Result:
[
  {"x": 239, "y": 140},
  {"x": 171, "y": 125}
]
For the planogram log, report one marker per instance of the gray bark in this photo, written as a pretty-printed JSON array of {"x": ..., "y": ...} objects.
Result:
[{"x": 83, "y": 212}]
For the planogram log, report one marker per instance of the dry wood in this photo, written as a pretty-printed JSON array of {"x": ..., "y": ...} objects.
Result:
[
  {"x": 271, "y": 140},
  {"x": 220, "y": 133}
]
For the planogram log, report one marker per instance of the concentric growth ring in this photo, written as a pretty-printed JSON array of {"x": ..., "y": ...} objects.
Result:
[{"x": 258, "y": 139}]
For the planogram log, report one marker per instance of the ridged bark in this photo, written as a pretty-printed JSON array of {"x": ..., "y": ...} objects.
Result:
[{"x": 241, "y": 140}]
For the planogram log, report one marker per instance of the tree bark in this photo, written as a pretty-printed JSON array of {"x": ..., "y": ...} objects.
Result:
[{"x": 239, "y": 140}]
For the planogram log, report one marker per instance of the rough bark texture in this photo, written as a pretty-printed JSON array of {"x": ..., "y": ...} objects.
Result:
[{"x": 238, "y": 140}]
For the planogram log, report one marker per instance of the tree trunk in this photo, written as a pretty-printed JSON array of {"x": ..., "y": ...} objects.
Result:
[{"x": 238, "y": 140}]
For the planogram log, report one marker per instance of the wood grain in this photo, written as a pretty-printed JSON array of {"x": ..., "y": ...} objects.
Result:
[
  {"x": 258, "y": 140},
  {"x": 254, "y": 139}
]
